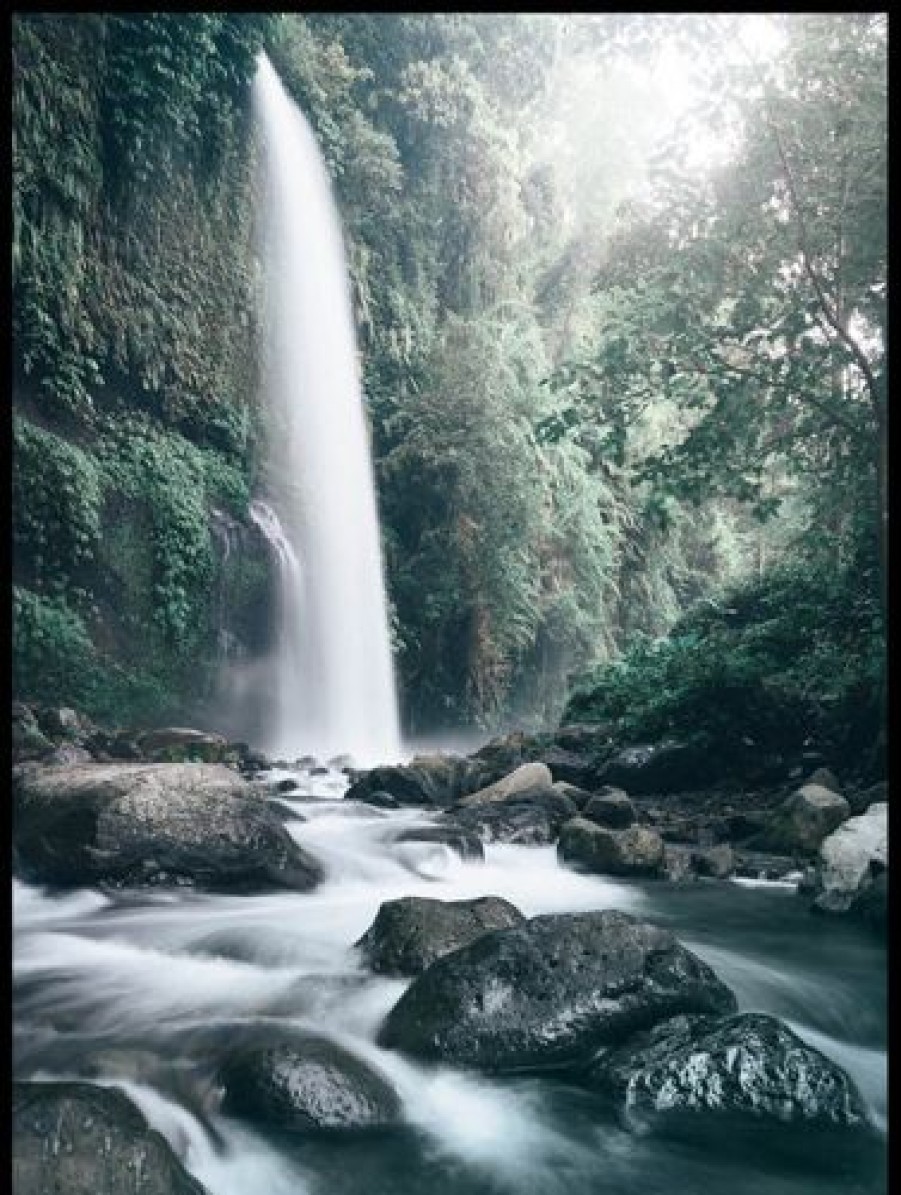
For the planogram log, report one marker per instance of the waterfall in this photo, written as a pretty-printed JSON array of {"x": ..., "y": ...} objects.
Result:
[{"x": 332, "y": 677}]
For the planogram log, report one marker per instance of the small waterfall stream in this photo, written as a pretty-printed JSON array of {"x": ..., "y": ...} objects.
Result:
[{"x": 333, "y": 674}]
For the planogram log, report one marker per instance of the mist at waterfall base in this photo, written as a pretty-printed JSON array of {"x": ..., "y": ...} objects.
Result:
[
  {"x": 148, "y": 991},
  {"x": 327, "y": 687}
]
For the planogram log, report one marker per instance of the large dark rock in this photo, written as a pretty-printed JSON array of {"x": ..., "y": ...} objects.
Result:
[
  {"x": 572, "y": 755},
  {"x": 654, "y": 768},
  {"x": 306, "y": 1084},
  {"x": 78, "y": 1139},
  {"x": 587, "y": 738},
  {"x": 550, "y": 992},
  {"x": 750, "y": 1065},
  {"x": 611, "y": 808},
  {"x": 160, "y": 824},
  {"x": 430, "y": 781},
  {"x": 573, "y": 767},
  {"x": 531, "y": 818},
  {"x": 801, "y": 822},
  {"x": 499, "y": 757},
  {"x": 409, "y": 934},
  {"x": 636, "y": 851},
  {"x": 522, "y": 781},
  {"x": 851, "y": 861}
]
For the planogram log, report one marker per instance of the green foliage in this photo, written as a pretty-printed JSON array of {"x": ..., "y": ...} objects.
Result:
[
  {"x": 174, "y": 86},
  {"x": 115, "y": 542},
  {"x": 55, "y": 661},
  {"x": 134, "y": 359},
  {"x": 175, "y": 483},
  {"x": 703, "y": 412},
  {"x": 57, "y": 495},
  {"x": 133, "y": 275},
  {"x": 753, "y": 298},
  {"x": 794, "y": 657}
]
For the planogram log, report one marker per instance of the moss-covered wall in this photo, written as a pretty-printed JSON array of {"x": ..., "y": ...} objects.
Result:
[{"x": 135, "y": 371}]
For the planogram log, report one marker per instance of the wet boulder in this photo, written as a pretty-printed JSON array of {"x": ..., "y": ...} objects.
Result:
[
  {"x": 586, "y": 738},
  {"x": 637, "y": 851},
  {"x": 708, "y": 1070},
  {"x": 851, "y": 861},
  {"x": 529, "y": 818},
  {"x": 408, "y": 784},
  {"x": 611, "y": 808},
  {"x": 800, "y": 823},
  {"x": 524, "y": 780},
  {"x": 79, "y": 1139},
  {"x": 409, "y": 934},
  {"x": 152, "y": 824},
  {"x": 572, "y": 767},
  {"x": 306, "y": 1084},
  {"x": 501, "y": 756},
  {"x": 657, "y": 768},
  {"x": 444, "y": 772},
  {"x": 550, "y": 992}
]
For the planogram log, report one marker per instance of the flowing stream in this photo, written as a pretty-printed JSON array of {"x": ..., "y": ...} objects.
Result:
[
  {"x": 142, "y": 990},
  {"x": 333, "y": 676}
]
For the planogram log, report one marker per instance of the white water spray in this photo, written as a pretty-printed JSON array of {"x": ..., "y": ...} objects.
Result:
[{"x": 333, "y": 673}]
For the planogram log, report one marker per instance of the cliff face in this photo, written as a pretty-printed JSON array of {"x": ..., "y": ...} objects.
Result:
[{"x": 135, "y": 368}]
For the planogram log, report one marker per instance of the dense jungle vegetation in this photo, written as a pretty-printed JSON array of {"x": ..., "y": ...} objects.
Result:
[{"x": 627, "y": 400}]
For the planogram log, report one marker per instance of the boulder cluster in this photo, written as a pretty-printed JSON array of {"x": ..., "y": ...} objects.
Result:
[
  {"x": 606, "y": 1001},
  {"x": 602, "y": 999},
  {"x": 646, "y": 811}
]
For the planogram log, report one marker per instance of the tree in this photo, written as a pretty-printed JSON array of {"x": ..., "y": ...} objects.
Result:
[{"x": 754, "y": 297}]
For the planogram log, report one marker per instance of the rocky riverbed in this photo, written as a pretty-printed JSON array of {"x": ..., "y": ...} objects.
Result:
[{"x": 517, "y": 970}]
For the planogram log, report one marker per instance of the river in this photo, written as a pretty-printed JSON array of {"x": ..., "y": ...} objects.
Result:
[{"x": 139, "y": 989}]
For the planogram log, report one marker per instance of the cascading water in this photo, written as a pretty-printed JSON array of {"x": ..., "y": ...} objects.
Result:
[
  {"x": 153, "y": 992},
  {"x": 333, "y": 675}
]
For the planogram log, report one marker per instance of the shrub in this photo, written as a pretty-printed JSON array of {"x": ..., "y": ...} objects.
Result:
[
  {"x": 55, "y": 662},
  {"x": 794, "y": 656}
]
